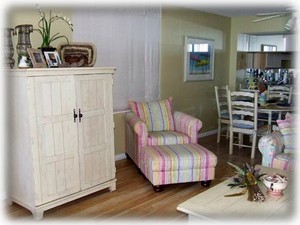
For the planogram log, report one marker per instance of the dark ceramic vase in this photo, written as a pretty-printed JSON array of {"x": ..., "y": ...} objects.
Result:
[{"x": 48, "y": 49}]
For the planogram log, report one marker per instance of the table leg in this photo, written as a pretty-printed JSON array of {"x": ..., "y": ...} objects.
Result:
[
  {"x": 269, "y": 122},
  {"x": 279, "y": 115}
]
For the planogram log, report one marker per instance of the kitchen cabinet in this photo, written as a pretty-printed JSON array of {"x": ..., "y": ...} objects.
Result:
[
  {"x": 250, "y": 60},
  {"x": 61, "y": 143},
  {"x": 263, "y": 60},
  {"x": 259, "y": 60}
]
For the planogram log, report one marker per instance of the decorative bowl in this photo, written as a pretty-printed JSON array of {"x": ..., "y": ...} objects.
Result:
[{"x": 275, "y": 183}]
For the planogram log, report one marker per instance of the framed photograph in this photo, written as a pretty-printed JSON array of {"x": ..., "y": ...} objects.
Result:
[
  {"x": 52, "y": 58},
  {"x": 198, "y": 59},
  {"x": 37, "y": 58}
]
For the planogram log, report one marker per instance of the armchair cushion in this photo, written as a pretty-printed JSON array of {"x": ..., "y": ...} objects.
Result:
[
  {"x": 167, "y": 138},
  {"x": 157, "y": 115}
]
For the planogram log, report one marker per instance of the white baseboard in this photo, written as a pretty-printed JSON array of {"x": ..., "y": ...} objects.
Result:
[
  {"x": 120, "y": 157},
  {"x": 204, "y": 134}
]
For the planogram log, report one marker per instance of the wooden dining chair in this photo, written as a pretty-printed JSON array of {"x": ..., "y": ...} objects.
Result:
[
  {"x": 222, "y": 108},
  {"x": 242, "y": 118},
  {"x": 280, "y": 92}
]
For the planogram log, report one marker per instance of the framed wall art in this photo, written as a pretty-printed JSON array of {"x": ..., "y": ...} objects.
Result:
[
  {"x": 198, "y": 59},
  {"x": 37, "y": 58},
  {"x": 52, "y": 58}
]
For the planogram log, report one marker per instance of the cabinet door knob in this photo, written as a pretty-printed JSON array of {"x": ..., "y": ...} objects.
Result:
[
  {"x": 74, "y": 115},
  {"x": 80, "y": 115}
]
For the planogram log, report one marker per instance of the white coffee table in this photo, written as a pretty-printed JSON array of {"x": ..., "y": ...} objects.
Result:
[{"x": 211, "y": 205}]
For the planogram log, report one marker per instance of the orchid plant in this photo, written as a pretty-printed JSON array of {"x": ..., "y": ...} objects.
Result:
[{"x": 45, "y": 25}]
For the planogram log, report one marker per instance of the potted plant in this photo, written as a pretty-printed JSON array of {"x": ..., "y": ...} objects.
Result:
[{"x": 45, "y": 26}]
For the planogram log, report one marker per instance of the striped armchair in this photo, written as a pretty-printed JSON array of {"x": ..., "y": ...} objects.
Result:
[
  {"x": 279, "y": 148},
  {"x": 271, "y": 147},
  {"x": 183, "y": 128}
]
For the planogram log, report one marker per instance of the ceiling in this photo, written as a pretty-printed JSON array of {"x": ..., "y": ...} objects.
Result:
[
  {"x": 240, "y": 8},
  {"x": 240, "y": 11}
]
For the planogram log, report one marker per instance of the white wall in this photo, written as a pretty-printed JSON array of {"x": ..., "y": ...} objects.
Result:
[
  {"x": 256, "y": 41},
  {"x": 251, "y": 42}
]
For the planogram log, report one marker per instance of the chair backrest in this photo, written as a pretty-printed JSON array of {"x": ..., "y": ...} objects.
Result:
[
  {"x": 243, "y": 110},
  {"x": 221, "y": 100},
  {"x": 280, "y": 92}
]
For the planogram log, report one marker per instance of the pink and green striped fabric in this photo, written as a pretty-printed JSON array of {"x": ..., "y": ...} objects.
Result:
[
  {"x": 188, "y": 125},
  {"x": 288, "y": 130},
  {"x": 284, "y": 162},
  {"x": 138, "y": 136},
  {"x": 167, "y": 138},
  {"x": 168, "y": 164},
  {"x": 157, "y": 115},
  {"x": 271, "y": 147}
]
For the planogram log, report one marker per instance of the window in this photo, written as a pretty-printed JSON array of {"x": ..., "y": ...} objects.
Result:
[{"x": 198, "y": 48}]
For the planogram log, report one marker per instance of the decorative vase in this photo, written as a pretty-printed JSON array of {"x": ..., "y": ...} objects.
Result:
[
  {"x": 9, "y": 48},
  {"x": 23, "y": 39},
  {"x": 23, "y": 62}
]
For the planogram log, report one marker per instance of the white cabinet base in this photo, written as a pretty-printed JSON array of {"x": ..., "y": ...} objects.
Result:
[{"x": 38, "y": 211}]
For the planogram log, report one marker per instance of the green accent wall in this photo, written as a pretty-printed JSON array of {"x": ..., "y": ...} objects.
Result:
[{"x": 196, "y": 98}]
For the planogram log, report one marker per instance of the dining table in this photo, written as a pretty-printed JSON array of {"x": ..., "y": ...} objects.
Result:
[{"x": 270, "y": 108}]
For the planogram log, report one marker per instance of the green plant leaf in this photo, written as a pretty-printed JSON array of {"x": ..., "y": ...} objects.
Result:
[
  {"x": 237, "y": 194},
  {"x": 238, "y": 169}
]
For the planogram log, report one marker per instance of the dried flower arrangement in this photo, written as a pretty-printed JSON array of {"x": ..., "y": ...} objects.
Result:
[{"x": 247, "y": 177}]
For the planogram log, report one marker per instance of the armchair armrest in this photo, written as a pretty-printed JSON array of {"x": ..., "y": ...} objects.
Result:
[
  {"x": 136, "y": 136},
  {"x": 136, "y": 124},
  {"x": 270, "y": 145},
  {"x": 188, "y": 125}
]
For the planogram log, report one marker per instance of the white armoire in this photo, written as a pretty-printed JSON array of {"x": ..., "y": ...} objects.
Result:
[{"x": 60, "y": 142}]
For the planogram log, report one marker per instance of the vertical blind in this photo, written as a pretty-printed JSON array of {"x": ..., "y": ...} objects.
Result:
[{"x": 127, "y": 39}]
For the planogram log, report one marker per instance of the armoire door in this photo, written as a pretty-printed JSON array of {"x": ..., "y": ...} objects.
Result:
[
  {"x": 93, "y": 94},
  {"x": 57, "y": 136}
]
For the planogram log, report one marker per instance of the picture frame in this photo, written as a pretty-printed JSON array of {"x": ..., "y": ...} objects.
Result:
[
  {"x": 52, "y": 58},
  {"x": 37, "y": 58},
  {"x": 198, "y": 59}
]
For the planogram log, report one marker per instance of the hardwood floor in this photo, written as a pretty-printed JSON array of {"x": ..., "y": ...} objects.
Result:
[{"x": 134, "y": 198}]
